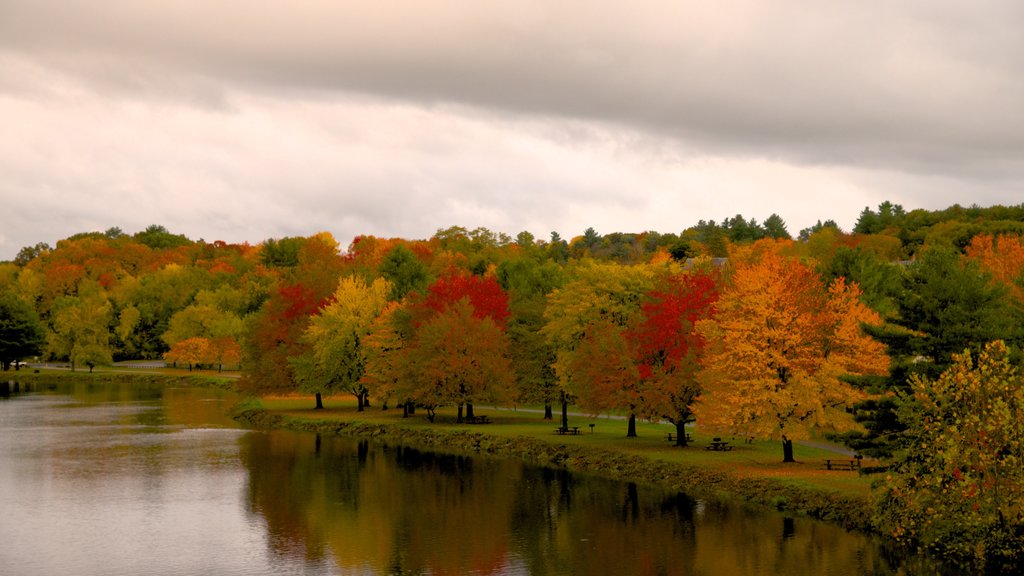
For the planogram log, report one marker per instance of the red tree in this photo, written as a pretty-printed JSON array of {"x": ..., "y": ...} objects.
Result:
[
  {"x": 485, "y": 296},
  {"x": 668, "y": 347}
]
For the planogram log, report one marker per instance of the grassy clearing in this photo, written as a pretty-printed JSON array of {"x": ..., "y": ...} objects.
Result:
[{"x": 757, "y": 460}]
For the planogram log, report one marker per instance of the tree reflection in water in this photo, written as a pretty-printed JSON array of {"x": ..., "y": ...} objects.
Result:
[{"x": 398, "y": 510}]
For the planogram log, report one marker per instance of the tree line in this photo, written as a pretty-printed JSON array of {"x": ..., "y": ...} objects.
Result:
[{"x": 734, "y": 325}]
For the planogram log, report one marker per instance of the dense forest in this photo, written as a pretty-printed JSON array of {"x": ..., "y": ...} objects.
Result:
[{"x": 901, "y": 337}]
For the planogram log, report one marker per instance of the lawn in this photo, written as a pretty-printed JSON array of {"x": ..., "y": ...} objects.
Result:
[{"x": 757, "y": 459}]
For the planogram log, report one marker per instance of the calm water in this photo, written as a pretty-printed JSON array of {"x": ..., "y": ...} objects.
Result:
[{"x": 148, "y": 481}]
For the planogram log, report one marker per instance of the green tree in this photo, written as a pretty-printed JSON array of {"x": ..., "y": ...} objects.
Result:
[
  {"x": 775, "y": 227},
  {"x": 80, "y": 329},
  {"x": 404, "y": 271},
  {"x": 958, "y": 487},
  {"x": 21, "y": 333},
  {"x": 948, "y": 304}
]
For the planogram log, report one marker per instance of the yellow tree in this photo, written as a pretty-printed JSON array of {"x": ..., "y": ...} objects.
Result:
[
  {"x": 596, "y": 292},
  {"x": 384, "y": 347},
  {"x": 778, "y": 349},
  {"x": 336, "y": 335}
]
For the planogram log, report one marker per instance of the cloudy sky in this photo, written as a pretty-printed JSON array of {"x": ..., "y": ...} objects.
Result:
[{"x": 246, "y": 120}]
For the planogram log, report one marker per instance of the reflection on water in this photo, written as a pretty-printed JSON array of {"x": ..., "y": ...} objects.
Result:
[{"x": 108, "y": 479}]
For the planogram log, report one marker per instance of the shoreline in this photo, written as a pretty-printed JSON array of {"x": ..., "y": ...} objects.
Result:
[{"x": 849, "y": 511}]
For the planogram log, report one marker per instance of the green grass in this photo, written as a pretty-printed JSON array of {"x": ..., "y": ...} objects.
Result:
[{"x": 760, "y": 459}]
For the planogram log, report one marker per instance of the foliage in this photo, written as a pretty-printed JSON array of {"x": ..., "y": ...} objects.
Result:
[
  {"x": 668, "y": 347},
  {"x": 958, "y": 487},
  {"x": 780, "y": 344},
  {"x": 336, "y": 334},
  {"x": 405, "y": 272},
  {"x": 21, "y": 332},
  {"x": 457, "y": 357}
]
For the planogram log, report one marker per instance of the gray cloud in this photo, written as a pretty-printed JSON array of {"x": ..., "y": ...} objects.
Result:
[{"x": 253, "y": 119}]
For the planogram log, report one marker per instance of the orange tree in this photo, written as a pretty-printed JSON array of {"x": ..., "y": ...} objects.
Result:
[{"x": 780, "y": 345}]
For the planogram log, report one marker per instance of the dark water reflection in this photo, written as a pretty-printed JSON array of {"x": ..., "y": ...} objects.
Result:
[{"x": 144, "y": 480}]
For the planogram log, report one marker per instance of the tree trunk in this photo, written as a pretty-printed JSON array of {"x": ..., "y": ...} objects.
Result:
[
  {"x": 469, "y": 410},
  {"x": 565, "y": 411},
  {"x": 547, "y": 411},
  {"x": 359, "y": 401},
  {"x": 787, "y": 450},
  {"x": 458, "y": 419},
  {"x": 681, "y": 433},
  {"x": 319, "y": 402},
  {"x": 631, "y": 427},
  {"x": 405, "y": 409}
]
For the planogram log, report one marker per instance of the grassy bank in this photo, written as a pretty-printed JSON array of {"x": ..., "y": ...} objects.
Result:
[
  {"x": 165, "y": 377},
  {"x": 750, "y": 472}
]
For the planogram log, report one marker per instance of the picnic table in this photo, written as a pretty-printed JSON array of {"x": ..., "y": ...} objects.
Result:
[
  {"x": 477, "y": 420},
  {"x": 718, "y": 445},
  {"x": 671, "y": 437},
  {"x": 563, "y": 430}
]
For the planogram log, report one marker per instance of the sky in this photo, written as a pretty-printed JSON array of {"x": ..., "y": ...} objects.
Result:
[{"x": 247, "y": 120}]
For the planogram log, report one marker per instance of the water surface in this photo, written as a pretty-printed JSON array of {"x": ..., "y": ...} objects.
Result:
[{"x": 142, "y": 480}]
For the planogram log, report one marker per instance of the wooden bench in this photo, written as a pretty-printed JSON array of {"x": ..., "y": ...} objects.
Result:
[
  {"x": 562, "y": 430},
  {"x": 476, "y": 420},
  {"x": 671, "y": 437},
  {"x": 842, "y": 464}
]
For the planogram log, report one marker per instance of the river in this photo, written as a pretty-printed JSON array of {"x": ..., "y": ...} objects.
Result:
[{"x": 118, "y": 479}]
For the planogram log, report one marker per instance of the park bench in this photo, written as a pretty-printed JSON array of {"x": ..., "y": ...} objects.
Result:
[
  {"x": 476, "y": 420},
  {"x": 671, "y": 437},
  {"x": 842, "y": 464},
  {"x": 563, "y": 430}
]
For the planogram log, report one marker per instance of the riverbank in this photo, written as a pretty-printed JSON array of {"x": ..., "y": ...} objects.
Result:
[{"x": 751, "y": 473}]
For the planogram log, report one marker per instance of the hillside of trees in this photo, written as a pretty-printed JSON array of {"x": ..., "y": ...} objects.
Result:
[{"x": 737, "y": 325}]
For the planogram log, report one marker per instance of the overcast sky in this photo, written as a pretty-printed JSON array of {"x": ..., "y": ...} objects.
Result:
[{"x": 246, "y": 120}]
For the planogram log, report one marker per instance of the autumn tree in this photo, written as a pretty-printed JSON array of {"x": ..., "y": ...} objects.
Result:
[
  {"x": 595, "y": 292},
  {"x": 668, "y": 348},
  {"x": 958, "y": 487},
  {"x": 80, "y": 329},
  {"x": 457, "y": 357},
  {"x": 602, "y": 372},
  {"x": 780, "y": 345},
  {"x": 191, "y": 352},
  {"x": 1003, "y": 257},
  {"x": 384, "y": 348},
  {"x": 336, "y": 336}
]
